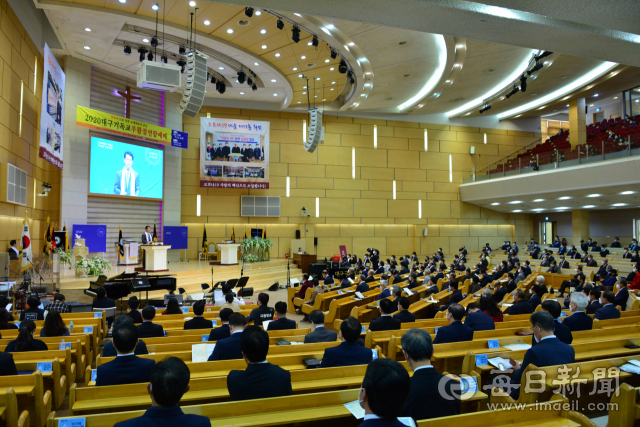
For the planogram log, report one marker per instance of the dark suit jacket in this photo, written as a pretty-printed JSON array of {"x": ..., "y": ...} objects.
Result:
[
  {"x": 455, "y": 298},
  {"x": 521, "y": 307},
  {"x": 125, "y": 370},
  {"x": 398, "y": 279},
  {"x": 220, "y": 333},
  {"x": 13, "y": 255},
  {"x": 593, "y": 307},
  {"x": 320, "y": 335},
  {"x": 384, "y": 323},
  {"x": 227, "y": 348},
  {"x": 135, "y": 315},
  {"x": 578, "y": 321},
  {"x": 166, "y": 417},
  {"x": 110, "y": 351},
  {"x": 479, "y": 321},
  {"x": 260, "y": 314},
  {"x": 346, "y": 354},
  {"x": 405, "y": 316},
  {"x": 198, "y": 323},
  {"x": 384, "y": 294},
  {"x": 7, "y": 365},
  {"x": 282, "y": 323},
  {"x": 259, "y": 381},
  {"x": 425, "y": 401},
  {"x": 609, "y": 311},
  {"x": 548, "y": 352},
  {"x": 150, "y": 330},
  {"x": 455, "y": 332},
  {"x": 362, "y": 288},
  {"x": 621, "y": 298},
  {"x": 534, "y": 301},
  {"x": 498, "y": 295}
]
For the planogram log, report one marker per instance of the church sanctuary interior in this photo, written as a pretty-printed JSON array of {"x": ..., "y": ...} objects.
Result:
[{"x": 376, "y": 213}]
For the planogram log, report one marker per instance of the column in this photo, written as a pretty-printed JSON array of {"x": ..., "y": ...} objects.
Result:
[
  {"x": 171, "y": 214},
  {"x": 577, "y": 123},
  {"x": 580, "y": 225}
]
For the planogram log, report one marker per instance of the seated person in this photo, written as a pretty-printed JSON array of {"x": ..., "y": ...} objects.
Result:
[
  {"x": 261, "y": 379},
  {"x": 229, "y": 348},
  {"x": 385, "y": 292},
  {"x": 54, "y": 326},
  {"x": 234, "y": 306},
  {"x": 538, "y": 291},
  {"x": 385, "y": 322},
  {"x": 25, "y": 340},
  {"x": 425, "y": 399},
  {"x": 7, "y": 365},
  {"x": 579, "y": 320},
  {"x": 608, "y": 310},
  {"x": 396, "y": 293},
  {"x": 5, "y": 318},
  {"x": 561, "y": 331},
  {"x": 110, "y": 351},
  {"x": 224, "y": 331},
  {"x": 102, "y": 301},
  {"x": 282, "y": 322},
  {"x": 405, "y": 316},
  {"x": 594, "y": 300},
  {"x": 455, "y": 297},
  {"x": 383, "y": 394},
  {"x": 263, "y": 312},
  {"x": 319, "y": 333},
  {"x": 226, "y": 289},
  {"x": 549, "y": 351},
  {"x": 134, "y": 303},
  {"x": 362, "y": 287},
  {"x": 173, "y": 307},
  {"x": 126, "y": 368},
  {"x": 456, "y": 331},
  {"x": 32, "y": 312},
  {"x": 520, "y": 304},
  {"x": 198, "y": 322},
  {"x": 148, "y": 329},
  {"x": 169, "y": 382},
  {"x": 348, "y": 353},
  {"x": 58, "y": 304},
  {"x": 477, "y": 320}
]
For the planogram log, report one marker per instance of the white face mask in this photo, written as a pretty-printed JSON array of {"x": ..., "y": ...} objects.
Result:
[{"x": 617, "y": 286}]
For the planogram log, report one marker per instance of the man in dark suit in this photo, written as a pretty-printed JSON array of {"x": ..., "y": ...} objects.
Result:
[
  {"x": 102, "y": 301},
  {"x": 549, "y": 351},
  {"x": 198, "y": 322},
  {"x": 383, "y": 394},
  {"x": 477, "y": 320},
  {"x": 282, "y": 322},
  {"x": 229, "y": 348},
  {"x": 263, "y": 312},
  {"x": 380, "y": 268},
  {"x": 561, "y": 331},
  {"x": 362, "y": 287},
  {"x": 385, "y": 292},
  {"x": 261, "y": 379},
  {"x": 616, "y": 243},
  {"x": 328, "y": 280},
  {"x": 110, "y": 351},
  {"x": 535, "y": 252},
  {"x": 455, "y": 297},
  {"x": 7, "y": 365},
  {"x": 579, "y": 320},
  {"x": 539, "y": 290},
  {"x": 413, "y": 280},
  {"x": 622, "y": 295},
  {"x": 428, "y": 387},
  {"x": 385, "y": 322},
  {"x": 223, "y": 331},
  {"x": 602, "y": 271},
  {"x": 126, "y": 368},
  {"x": 397, "y": 278},
  {"x": 14, "y": 252},
  {"x": 147, "y": 237},
  {"x": 348, "y": 353},
  {"x": 226, "y": 150},
  {"x": 520, "y": 304},
  {"x": 501, "y": 291},
  {"x": 604, "y": 251},
  {"x": 405, "y": 316},
  {"x": 553, "y": 268},
  {"x": 563, "y": 263},
  {"x": 320, "y": 333},
  {"x": 133, "y": 304},
  {"x": 562, "y": 249},
  {"x": 591, "y": 262},
  {"x": 456, "y": 331},
  {"x": 594, "y": 301},
  {"x": 608, "y": 310},
  {"x": 148, "y": 329},
  {"x": 577, "y": 282},
  {"x": 396, "y": 293}
]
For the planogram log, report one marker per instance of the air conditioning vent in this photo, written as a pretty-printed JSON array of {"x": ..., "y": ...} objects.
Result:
[
  {"x": 16, "y": 186},
  {"x": 260, "y": 206},
  {"x": 159, "y": 76}
]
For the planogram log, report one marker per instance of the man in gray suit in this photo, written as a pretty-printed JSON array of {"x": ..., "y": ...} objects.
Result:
[
  {"x": 147, "y": 237},
  {"x": 320, "y": 333},
  {"x": 554, "y": 268}
]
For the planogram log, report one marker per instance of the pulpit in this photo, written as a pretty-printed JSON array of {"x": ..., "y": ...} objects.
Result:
[
  {"x": 228, "y": 253},
  {"x": 155, "y": 258},
  {"x": 130, "y": 253}
]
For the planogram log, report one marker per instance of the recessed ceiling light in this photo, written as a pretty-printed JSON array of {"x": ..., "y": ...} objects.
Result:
[
  {"x": 324, "y": 99},
  {"x": 304, "y": 93},
  {"x": 277, "y": 55},
  {"x": 192, "y": 4},
  {"x": 351, "y": 44},
  {"x": 615, "y": 97},
  {"x": 317, "y": 78},
  {"x": 264, "y": 46},
  {"x": 589, "y": 206},
  {"x": 145, "y": 40},
  {"x": 331, "y": 69},
  {"x": 255, "y": 63},
  {"x": 220, "y": 68},
  {"x": 495, "y": 204},
  {"x": 619, "y": 204},
  {"x": 154, "y": 7},
  {"x": 447, "y": 81},
  {"x": 333, "y": 83},
  {"x": 594, "y": 195},
  {"x": 595, "y": 95},
  {"x": 275, "y": 94},
  {"x": 309, "y": 44},
  {"x": 538, "y": 209},
  {"x": 564, "y": 198},
  {"x": 330, "y": 26},
  {"x": 87, "y": 47},
  {"x": 303, "y": 57},
  {"x": 368, "y": 73},
  {"x": 298, "y": 102},
  {"x": 123, "y": 1},
  {"x": 207, "y": 22},
  {"x": 273, "y": 80},
  {"x": 517, "y": 210},
  {"x": 515, "y": 202},
  {"x": 327, "y": 60},
  {"x": 567, "y": 105},
  {"x": 363, "y": 59},
  {"x": 304, "y": 87},
  {"x": 295, "y": 68},
  {"x": 331, "y": 89},
  {"x": 562, "y": 208},
  {"x": 258, "y": 13},
  {"x": 88, "y": 29},
  {"x": 590, "y": 105},
  {"x": 241, "y": 93},
  {"x": 456, "y": 65},
  {"x": 263, "y": 31},
  {"x": 460, "y": 46},
  {"x": 315, "y": 96},
  {"x": 626, "y": 193},
  {"x": 300, "y": 75},
  {"x": 230, "y": 31},
  {"x": 539, "y": 200},
  {"x": 297, "y": 14}
]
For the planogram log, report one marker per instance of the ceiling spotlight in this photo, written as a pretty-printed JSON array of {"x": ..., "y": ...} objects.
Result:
[
  {"x": 150, "y": 56},
  {"x": 342, "y": 68},
  {"x": 595, "y": 95},
  {"x": 154, "y": 7},
  {"x": 254, "y": 87},
  {"x": 192, "y": 3},
  {"x": 142, "y": 51},
  {"x": 213, "y": 79},
  {"x": 241, "y": 74},
  {"x": 535, "y": 68},
  {"x": 334, "y": 54},
  {"x": 295, "y": 34},
  {"x": 249, "y": 81},
  {"x": 181, "y": 64},
  {"x": 258, "y": 13},
  {"x": 207, "y": 22},
  {"x": 523, "y": 83},
  {"x": 485, "y": 108},
  {"x": 145, "y": 40},
  {"x": 221, "y": 87},
  {"x": 626, "y": 193},
  {"x": 352, "y": 80},
  {"x": 229, "y": 31},
  {"x": 263, "y": 31},
  {"x": 87, "y": 47},
  {"x": 303, "y": 57},
  {"x": 154, "y": 41},
  {"x": 123, "y": 1},
  {"x": 349, "y": 74},
  {"x": 264, "y": 46},
  {"x": 314, "y": 41},
  {"x": 88, "y": 29},
  {"x": 279, "y": 24},
  {"x": 127, "y": 50},
  {"x": 277, "y": 55},
  {"x": 593, "y": 195},
  {"x": 182, "y": 50},
  {"x": 351, "y": 44},
  {"x": 241, "y": 93},
  {"x": 248, "y": 11},
  {"x": 164, "y": 59}
]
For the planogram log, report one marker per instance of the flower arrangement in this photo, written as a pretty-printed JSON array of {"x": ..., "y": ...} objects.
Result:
[
  {"x": 92, "y": 266},
  {"x": 65, "y": 256},
  {"x": 256, "y": 249}
]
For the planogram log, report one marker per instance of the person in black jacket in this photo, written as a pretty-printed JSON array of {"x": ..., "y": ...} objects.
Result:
[
  {"x": 198, "y": 322},
  {"x": 32, "y": 312},
  {"x": 229, "y": 348},
  {"x": 263, "y": 312},
  {"x": 405, "y": 316},
  {"x": 428, "y": 387},
  {"x": 25, "y": 340},
  {"x": 320, "y": 333},
  {"x": 594, "y": 301},
  {"x": 223, "y": 331},
  {"x": 134, "y": 303},
  {"x": 148, "y": 329},
  {"x": 385, "y": 322},
  {"x": 562, "y": 332},
  {"x": 362, "y": 287},
  {"x": 7, "y": 365},
  {"x": 102, "y": 301},
  {"x": 282, "y": 322},
  {"x": 520, "y": 304},
  {"x": 384, "y": 391},
  {"x": 477, "y": 320},
  {"x": 261, "y": 379},
  {"x": 456, "y": 331},
  {"x": 110, "y": 351}
]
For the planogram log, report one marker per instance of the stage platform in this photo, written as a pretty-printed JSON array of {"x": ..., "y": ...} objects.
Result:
[{"x": 190, "y": 275}]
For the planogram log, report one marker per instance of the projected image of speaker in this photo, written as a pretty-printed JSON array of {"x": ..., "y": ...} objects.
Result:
[
  {"x": 195, "y": 85},
  {"x": 316, "y": 132}
]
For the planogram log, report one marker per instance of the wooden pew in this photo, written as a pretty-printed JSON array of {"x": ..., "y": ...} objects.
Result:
[
  {"x": 76, "y": 353},
  {"x": 84, "y": 339},
  {"x": 55, "y": 382},
  {"x": 9, "y": 410},
  {"x": 77, "y": 330},
  {"x": 63, "y": 356},
  {"x": 31, "y": 395},
  {"x": 625, "y": 408}
]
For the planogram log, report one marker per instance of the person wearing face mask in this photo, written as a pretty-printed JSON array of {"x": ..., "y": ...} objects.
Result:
[
  {"x": 562, "y": 332},
  {"x": 520, "y": 304},
  {"x": 616, "y": 243},
  {"x": 383, "y": 394},
  {"x": 574, "y": 283},
  {"x": 553, "y": 268},
  {"x": 425, "y": 400},
  {"x": 456, "y": 331},
  {"x": 349, "y": 352},
  {"x": 595, "y": 303},
  {"x": 500, "y": 292},
  {"x": 608, "y": 310},
  {"x": 602, "y": 271},
  {"x": 526, "y": 268},
  {"x": 626, "y": 254},
  {"x": 549, "y": 351},
  {"x": 385, "y": 292},
  {"x": 622, "y": 293},
  {"x": 579, "y": 320},
  {"x": 591, "y": 262},
  {"x": 385, "y": 322}
]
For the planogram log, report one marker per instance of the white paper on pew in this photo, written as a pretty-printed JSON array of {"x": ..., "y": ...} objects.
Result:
[
  {"x": 351, "y": 280},
  {"x": 634, "y": 362},
  {"x": 506, "y": 304},
  {"x": 201, "y": 352},
  {"x": 359, "y": 295},
  {"x": 296, "y": 342},
  {"x": 500, "y": 363},
  {"x": 632, "y": 369},
  {"x": 517, "y": 347},
  {"x": 408, "y": 292},
  {"x": 265, "y": 324},
  {"x": 355, "y": 408}
]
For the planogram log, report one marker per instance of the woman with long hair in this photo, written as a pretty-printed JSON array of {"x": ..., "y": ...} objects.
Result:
[
  {"x": 25, "y": 340},
  {"x": 54, "y": 326},
  {"x": 5, "y": 318},
  {"x": 172, "y": 307},
  {"x": 490, "y": 307}
]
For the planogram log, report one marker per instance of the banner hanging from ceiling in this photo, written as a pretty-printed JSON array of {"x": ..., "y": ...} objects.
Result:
[
  {"x": 234, "y": 153},
  {"x": 52, "y": 110}
]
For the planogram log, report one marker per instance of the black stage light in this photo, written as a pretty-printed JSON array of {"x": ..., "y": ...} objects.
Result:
[
  {"x": 221, "y": 87},
  {"x": 249, "y": 81},
  {"x": 523, "y": 83},
  {"x": 127, "y": 50},
  {"x": 241, "y": 76},
  {"x": 248, "y": 11},
  {"x": 342, "y": 67},
  {"x": 314, "y": 41},
  {"x": 349, "y": 74},
  {"x": 279, "y": 24},
  {"x": 150, "y": 56},
  {"x": 164, "y": 58},
  {"x": 254, "y": 87},
  {"x": 543, "y": 55},
  {"x": 535, "y": 68},
  {"x": 213, "y": 79},
  {"x": 142, "y": 51},
  {"x": 353, "y": 81},
  {"x": 182, "y": 50},
  {"x": 181, "y": 64},
  {"x": 154, "y": 41},
  {"x": 334, "y": 54},
  {"x": 296, "y": 34}
]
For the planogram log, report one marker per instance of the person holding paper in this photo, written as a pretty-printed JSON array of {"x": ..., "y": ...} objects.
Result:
[
  {"x": 261, "y": 379},
  {"x": 549, "y": 351},
  {"x": 426, "y": 400},
  {"x": 282, "y": 322},
  {"x": 456, "y": 331},
  {"x": 168, "y": 383},
  {"x": 224, "y": 331},
  {"x": 110, "y": 351},
  {"x": 346, "y": 283},
  {"x": 349, "y": 352},
  {"x": 383, "y": 394},
  {"x": 148, "y": 329},
  {"x": 229, "y": 348},
  {"x": 320, "y": 333},
  {"x": 25, "y": 340},
  {"x": 263, "y": 312},
  {"x": 126, "y": 368},
  {"x": 198, "y": 321}
]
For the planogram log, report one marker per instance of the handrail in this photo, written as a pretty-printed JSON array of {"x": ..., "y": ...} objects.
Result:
[{"x": 514, "y": 154}]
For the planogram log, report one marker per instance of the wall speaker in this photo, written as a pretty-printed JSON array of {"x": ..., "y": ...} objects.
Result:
[
  {"x": 297, "y": 234},
  {"x": 315, "y": 130},
  {"x": 315, "y": 241},
  {"x": 195, "y": 86}
]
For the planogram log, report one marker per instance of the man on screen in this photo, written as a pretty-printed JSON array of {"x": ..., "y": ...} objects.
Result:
[
  {"x": 218, "y": 152},
  {"x": 235, "y": 150},
  {"x": 127, "y": 180},
  {"x": 226, "y": 151},
  {"x": 257, "y": 152}
]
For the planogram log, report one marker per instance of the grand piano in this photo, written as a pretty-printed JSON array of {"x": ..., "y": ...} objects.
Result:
[{"x": 122, "y": 285}]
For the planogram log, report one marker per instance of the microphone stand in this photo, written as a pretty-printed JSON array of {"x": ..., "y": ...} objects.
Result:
[{"x": 288, "y": 272}]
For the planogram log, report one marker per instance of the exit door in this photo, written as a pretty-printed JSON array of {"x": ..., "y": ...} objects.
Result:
[{"x": 548, "y": 230}]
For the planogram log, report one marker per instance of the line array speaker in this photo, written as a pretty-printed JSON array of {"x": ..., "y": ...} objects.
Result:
[
  {"x": 315, "y": 130},
  {"x": 195, "y": 86}
]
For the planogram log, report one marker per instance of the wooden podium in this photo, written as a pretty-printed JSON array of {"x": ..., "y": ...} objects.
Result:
[
  {"x": 303, "y": 260},
  {"x": 155, "y": 258},
  {"x": 130, "y": 253},
  {"x": 229, "y": 253}
]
